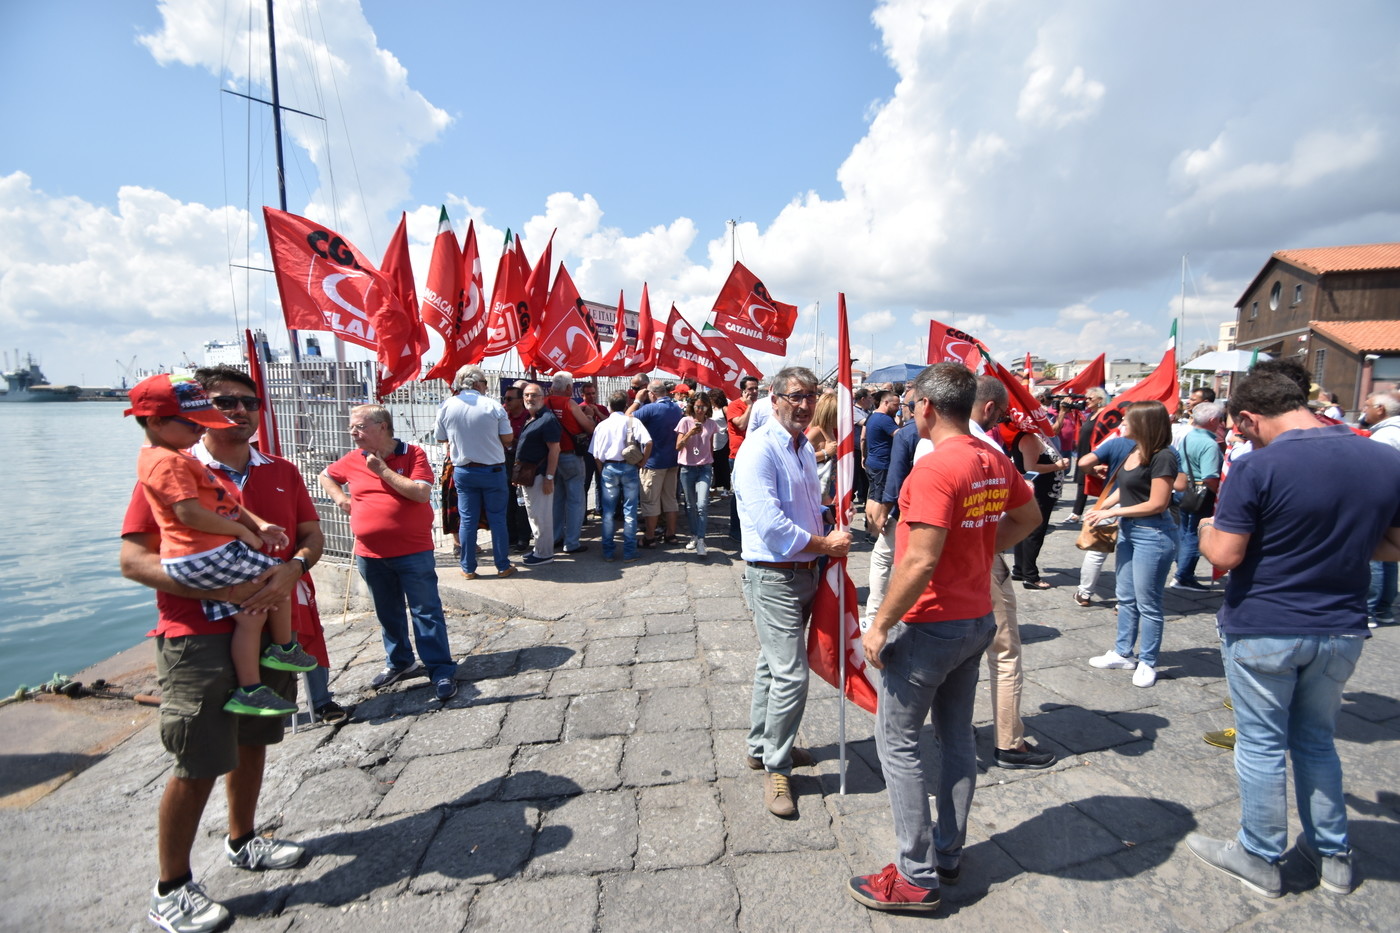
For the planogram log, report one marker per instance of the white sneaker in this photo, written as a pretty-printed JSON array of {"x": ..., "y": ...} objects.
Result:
[
  {"x": 1144, "y": 676},
  {"x": 690, "y": 545},
  {"x": 1113, "y": 661},
  {"x": 186, "y": 910},
  {"x": 700, "y": 547}
]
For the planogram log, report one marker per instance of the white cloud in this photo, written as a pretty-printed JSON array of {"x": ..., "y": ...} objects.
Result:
[
  {"x": 385, "y": 125},
  {"x": 873, "y": 322}
]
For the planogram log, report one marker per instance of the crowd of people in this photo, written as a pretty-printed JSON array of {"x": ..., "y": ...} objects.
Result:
[{"x": 947, "y": 485}]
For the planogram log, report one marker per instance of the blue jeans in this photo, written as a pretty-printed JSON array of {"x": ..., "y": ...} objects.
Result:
[
  {"x": 620, "y": 480},
  {"x": 1146, "y": 547},
  {"x": 734, "y": 531},
  {"x": 1286, "y": 692},
  {"x": 1188, "y": 551},
  {"x": 483, "y": 488},
  {"x": 318, "y": 686},
  {"x": 695, "y": 482},
  {"x": 568, "y": 501},
  {"x": 781, "y": 601},
  {"x": 930, "y": 667},
  {"x": 412, "y": 578},
  {"x": 1380, "y": 601}
]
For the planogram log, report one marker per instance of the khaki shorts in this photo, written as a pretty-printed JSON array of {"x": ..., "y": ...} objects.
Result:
[
  {"x": 659, "y": 491},
  {"x": 196, "y": 678}
]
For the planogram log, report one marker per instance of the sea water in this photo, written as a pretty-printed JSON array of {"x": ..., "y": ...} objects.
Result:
[{"x": 66, "y": 474}]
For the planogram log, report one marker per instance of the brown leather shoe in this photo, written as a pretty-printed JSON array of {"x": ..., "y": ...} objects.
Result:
[
  {"x": 778, "y": 796},
  {"x": 801, "y": 758}
]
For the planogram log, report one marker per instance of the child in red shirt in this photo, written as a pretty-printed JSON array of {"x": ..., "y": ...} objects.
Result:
[{"x": 207, "y": 540}]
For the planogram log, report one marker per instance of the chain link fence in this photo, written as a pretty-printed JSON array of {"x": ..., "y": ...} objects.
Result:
[{"x": 312, "y": 398}]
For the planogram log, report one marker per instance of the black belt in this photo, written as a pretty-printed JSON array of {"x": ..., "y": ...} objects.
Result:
[
  {"x": 784, "y": 564},
  {"x": 614, "y": 461},
  {"x": 489, "y": 466}
]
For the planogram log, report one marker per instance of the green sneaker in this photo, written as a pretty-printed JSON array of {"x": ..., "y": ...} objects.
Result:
[
  {"x": 261, "y": 702},
  {"x": 283, "y": 659}
]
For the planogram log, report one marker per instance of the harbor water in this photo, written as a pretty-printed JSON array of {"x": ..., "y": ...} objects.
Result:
[{"x": 65, "y": 480}]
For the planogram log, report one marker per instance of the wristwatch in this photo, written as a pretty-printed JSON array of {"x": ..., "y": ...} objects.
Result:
[
  {"x": 305, "y": 565},
  {"x": 549, "y": 476}
]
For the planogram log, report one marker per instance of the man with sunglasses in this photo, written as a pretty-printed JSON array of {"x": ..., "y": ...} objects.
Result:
[
  {"x": 780, "y": 511},
  {"x": 196, "y": 668}
]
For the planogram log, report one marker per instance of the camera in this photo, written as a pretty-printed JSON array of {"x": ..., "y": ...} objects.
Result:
[{"x": 1076, "y": 402}]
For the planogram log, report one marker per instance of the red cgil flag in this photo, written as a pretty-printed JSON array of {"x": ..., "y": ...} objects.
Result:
[
  {"x": 452, "y": 301},
  {"x": 639, "y": 358},
  {"x": 608, "y": 359},
  {"x": 566, "y": 336},
  {"x": 269, "y": 441},
  {"x": 536, "y": 298},
  {"x": 1161, "y": 385},
  {"x": 713, "y": 360},
  {"x": 398, "y": 268},
  {"x": 327, "y": 284},
  {"x": 951, "y": 345},
  {"x": 835, "y": 610},
  {"x": 503, "y": 322},
  {"x": 747, "y": 313},
  {"x": 1091, "y": 377}
]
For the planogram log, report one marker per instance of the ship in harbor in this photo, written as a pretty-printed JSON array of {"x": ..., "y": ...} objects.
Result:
[{"x": 27, "y": 383}]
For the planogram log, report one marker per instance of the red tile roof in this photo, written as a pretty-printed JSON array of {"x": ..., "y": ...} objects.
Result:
[
  {"x": 1362, "y": 336},
  {"x": 1368, "y": 258},
  {"x": 1325, "y": 260}
]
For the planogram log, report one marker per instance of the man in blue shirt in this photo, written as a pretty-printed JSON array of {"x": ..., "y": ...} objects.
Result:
[
  {"x": 780, "y": 510},
  {"x": 879, "y": 435},
  {"x": 1293, "y": 621},
  {"x": 1200, "y": 455},
  {"x": 659, "y": 415}
]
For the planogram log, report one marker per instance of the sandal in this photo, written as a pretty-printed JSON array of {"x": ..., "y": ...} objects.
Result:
[{"x": 1036, "y": 585}]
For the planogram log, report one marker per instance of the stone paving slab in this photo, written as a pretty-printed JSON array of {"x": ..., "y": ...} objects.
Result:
[{"x": 590, "y": 776}]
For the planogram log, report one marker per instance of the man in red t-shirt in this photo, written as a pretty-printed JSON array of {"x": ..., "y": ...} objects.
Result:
[
  {"x": 961, "y": 504},
  {"x": 390, "y": 485},
  {"x": 196, "y": 668}
]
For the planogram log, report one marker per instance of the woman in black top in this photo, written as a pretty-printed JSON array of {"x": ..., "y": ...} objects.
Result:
[
  {"x": 1147, "y": 539},
  {"x": 1031, "y": 453}
]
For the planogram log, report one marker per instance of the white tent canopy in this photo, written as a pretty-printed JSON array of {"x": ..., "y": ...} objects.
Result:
[{"x": 1224, "y": 361}]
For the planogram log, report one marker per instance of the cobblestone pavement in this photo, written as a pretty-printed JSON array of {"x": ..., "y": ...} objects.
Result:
[{"x": 589, "y": 776}]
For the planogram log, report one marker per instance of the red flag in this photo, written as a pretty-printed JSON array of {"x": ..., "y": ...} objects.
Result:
[
  {"x": 747, "y": 313},
  {"x": 503, "y": 320},
  {"x": 1091, "y": 377},
  {"x": 536, "y": 298},
  {"x": 566, "y": 338},
  {"x": 835, "y": 617},
  {"x": 1160, "y": 385},
  {"x": 452, "y": 301},
  {"x": 608, "y": 359},
  {"x": 640, "y": 358},
  {"x": 950, "y": 345},
  {"x": 326, "y": 283},
  {"x": 713, "y": 361},
  {"x": 1025, "y": 412},
  {"x": 1030, "y": 373},
  {"x": 399, "y": 269},
  {"x": 269, "y": 441}
]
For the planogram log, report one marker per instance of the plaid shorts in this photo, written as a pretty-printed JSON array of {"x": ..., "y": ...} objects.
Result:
[{"x": 230, "y": 565}]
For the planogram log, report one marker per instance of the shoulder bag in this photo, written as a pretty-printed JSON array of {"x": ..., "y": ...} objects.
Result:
[
  {"x": 1103, "y": 536},
  {"x": 1198, "y": 499},
  {"x": 633, "y": 453}
]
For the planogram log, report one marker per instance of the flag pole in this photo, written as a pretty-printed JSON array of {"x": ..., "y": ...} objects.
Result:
[{"x": 842, "y": 524}]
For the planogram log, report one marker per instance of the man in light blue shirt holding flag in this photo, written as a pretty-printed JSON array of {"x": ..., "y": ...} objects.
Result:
[{"x": 780, "y": 512}]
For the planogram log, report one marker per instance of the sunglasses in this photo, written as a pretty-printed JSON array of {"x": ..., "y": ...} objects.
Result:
[{"x": 231, "y": 402}]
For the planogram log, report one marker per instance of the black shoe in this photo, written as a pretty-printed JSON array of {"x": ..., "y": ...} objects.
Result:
[
  {"x": 392, "y": 675},
  {"x": 576, "y": 550},
  {"x": 332, "y": 713},
  {"x": 949, "y": 876},
  {"x": 1027, "y": 757},
  {"x": 1017, "y": 575}
]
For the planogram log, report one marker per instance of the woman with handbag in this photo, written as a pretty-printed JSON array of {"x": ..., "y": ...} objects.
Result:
[
  {"x": 536, "y": 460},
  {"x": 1147, "y": 539}
]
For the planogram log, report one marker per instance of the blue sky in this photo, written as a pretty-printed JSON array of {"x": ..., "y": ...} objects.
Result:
[{"x": 1032, "y": 173}]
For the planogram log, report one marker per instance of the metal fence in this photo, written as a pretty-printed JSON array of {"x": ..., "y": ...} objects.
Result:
[{"x": 312, "y": 399}]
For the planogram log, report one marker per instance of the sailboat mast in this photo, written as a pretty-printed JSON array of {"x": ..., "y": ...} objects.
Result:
[{"x": 276, "y": 111}]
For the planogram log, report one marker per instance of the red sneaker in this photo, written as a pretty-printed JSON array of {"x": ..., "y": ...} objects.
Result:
[{"x": 889, "y": 891}]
